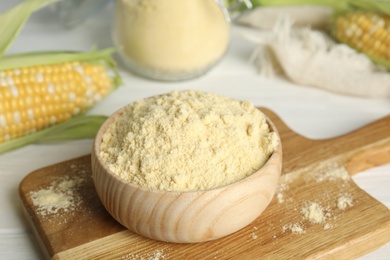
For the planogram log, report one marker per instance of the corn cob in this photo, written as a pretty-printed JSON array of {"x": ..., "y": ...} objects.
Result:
[
  {"x": 366, "y": 32},
  {"x": 43, "y": 94},
  {"x": 33, "y": 98}
]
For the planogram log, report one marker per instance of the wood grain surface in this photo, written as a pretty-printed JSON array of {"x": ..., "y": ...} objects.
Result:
[{"x": 89, "y": 232}]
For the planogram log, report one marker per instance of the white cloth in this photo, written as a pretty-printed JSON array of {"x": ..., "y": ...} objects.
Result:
[{"x": 310, "y": 57}]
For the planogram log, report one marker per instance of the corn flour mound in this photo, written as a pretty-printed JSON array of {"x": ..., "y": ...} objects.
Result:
[{"x": 187, "y": 141}]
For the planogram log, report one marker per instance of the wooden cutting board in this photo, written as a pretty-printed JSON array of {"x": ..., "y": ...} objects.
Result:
[{"x": 318, "y": 211}]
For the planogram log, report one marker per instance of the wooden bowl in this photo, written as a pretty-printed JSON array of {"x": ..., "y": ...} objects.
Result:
[{"x": 185, "y": 217}]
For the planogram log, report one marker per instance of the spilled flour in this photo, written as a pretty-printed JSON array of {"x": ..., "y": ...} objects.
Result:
[
  {"x": 327, "y": 205},
  {"x": 283, "y": 186},
  {"x": 156, "y": 255},
  {"x": 254, "y": 235},
  {"x": 327, "y": 226},
  {"x": 58, "y": 196},
  {"x": 295, "y": 228},
  {"x": 337, "y": 173},
  {"x": 344, "y": 201},
  {"x": 315, "y": 213}
]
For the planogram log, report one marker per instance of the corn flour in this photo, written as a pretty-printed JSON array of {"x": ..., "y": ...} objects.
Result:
[
  {"x": 187, "y": 141},
  {"x": 172, "y": 35}
]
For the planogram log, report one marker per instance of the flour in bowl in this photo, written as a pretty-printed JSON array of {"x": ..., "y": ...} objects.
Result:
[{"x": 187, "y": 141}]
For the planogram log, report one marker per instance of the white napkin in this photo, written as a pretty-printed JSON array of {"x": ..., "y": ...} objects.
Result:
[{"x": 310, "y": 57}]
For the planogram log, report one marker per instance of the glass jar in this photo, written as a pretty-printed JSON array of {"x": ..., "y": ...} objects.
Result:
[{"x": 171, "y": 40}]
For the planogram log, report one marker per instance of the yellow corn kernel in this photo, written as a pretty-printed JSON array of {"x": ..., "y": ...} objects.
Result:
[
  {"x": 36, "y": 97},
  {"x": 364, "y": 31}
]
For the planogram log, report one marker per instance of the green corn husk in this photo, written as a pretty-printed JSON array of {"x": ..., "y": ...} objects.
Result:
[
  {"x": 102, "y": 57},
  {"x": 12, "y": 21},
  {"x": 375, "y": 6},
  {"x": 379, "y": 6},
  {"x": 81, "y": 126},
  {"x": 380, "y": 61},
  {"x": 47, "y": 58},
  {"x": 334, "y": 4}
]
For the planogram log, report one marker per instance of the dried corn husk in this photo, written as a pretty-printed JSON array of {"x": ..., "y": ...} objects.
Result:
[{"x": 312, "y": 58}]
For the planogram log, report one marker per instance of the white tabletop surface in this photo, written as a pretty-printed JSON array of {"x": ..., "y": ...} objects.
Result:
[{"x": 309, "y": 111}]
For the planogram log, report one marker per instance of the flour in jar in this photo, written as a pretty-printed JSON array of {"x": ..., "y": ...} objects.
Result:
[{"x": 171, "y": 36}]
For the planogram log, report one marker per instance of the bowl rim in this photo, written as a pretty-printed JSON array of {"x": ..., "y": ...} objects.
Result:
[{"x": 103, "y": 128}]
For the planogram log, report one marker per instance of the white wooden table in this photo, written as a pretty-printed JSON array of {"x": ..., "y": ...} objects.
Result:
[{"x": 311, "y": 112}]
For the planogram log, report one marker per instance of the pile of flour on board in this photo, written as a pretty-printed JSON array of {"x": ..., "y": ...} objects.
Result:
[
  {"x": 187, "y": 141},
  {"x": 61, "y": 195},
  {"x": 58, "y": 196}
]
